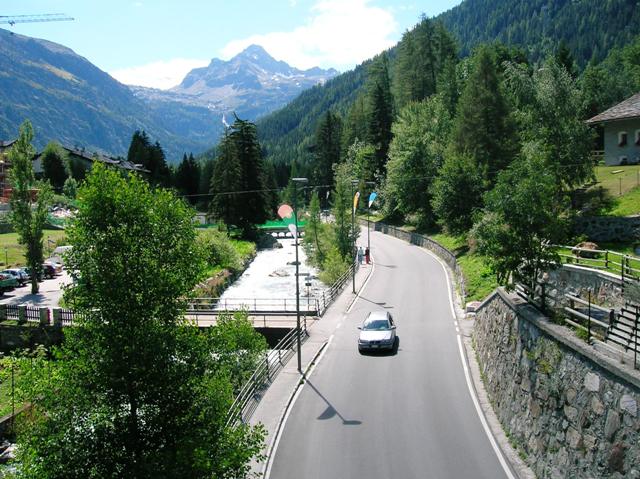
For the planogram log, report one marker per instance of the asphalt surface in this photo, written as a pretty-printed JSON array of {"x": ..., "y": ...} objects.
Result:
[
  {"x": 405, "y": 414},
  {"x": 48, "y": 296}
]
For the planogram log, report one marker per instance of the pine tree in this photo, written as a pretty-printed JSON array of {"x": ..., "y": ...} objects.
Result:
[
  {"x": 239, "y": 170},
  {"x": 226, "y": 181},
  {"x": 187, "y": 177},
  {"x": 380, "y": 112},
  {"x": 54, "y": 165},
  {"x": 484, "y": 129},
  {"x": 327, "y": 148}
]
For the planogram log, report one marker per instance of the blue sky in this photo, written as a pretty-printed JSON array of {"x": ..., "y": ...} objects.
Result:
[{"x": 156, "y": 42}]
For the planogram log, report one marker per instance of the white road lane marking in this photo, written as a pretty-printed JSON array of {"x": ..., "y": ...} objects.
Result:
[
  {"x": 373, "y": 268},
  {"x": 483, "y": 420}
]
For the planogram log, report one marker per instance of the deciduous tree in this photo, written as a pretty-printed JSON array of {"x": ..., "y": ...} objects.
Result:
[
  {"x": 138, "y": 391},
  {"x": 29, "y": 202}
]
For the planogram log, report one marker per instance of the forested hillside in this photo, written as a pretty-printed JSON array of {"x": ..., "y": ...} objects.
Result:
[
  {"x": 589, "y": 27},
  {"x": 533, "y": 28},
  {"x": 286, "y": 135}
]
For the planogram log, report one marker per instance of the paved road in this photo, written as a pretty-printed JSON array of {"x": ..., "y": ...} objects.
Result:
[
  {"x": 49, "y": 294},
  {"x": 402, "y": 415}
]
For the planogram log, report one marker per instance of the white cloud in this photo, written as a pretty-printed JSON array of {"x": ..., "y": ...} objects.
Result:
[
  {"x": 161, "y": 74},
  {"x": 338, "y": 33}
]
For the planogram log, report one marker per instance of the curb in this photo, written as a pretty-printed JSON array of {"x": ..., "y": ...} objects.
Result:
[
  {"x": 357, "y": 294},
  {"x": 300, "y": 384}
]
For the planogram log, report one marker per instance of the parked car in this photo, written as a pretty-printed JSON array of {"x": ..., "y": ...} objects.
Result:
[
  {"x": 49, "y": 271},
  {"x": 56, "y": 266},
  {"x": 18, "y": 274},
  {"x": 377, "y": 331},
  {"x": 7, "y": 283},
  {"x": 59, "y": 253}
]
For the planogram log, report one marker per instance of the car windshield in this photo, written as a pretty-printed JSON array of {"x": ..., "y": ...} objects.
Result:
[{"x": 376, "y": 325}]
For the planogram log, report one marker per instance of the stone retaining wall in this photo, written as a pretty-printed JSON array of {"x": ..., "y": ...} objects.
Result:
[
  {"x": 606, "y": 288},
  {"x": 567, "y": 408},
  {"x": 609, "y": 228}
]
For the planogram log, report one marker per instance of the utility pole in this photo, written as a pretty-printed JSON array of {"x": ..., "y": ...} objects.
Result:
[{"x": 295, "y": 239}]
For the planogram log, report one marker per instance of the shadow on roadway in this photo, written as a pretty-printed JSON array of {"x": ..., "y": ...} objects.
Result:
[
  {"x": 383, "y": 352},
  {"x": 331, "y": 411},
  {"x": 392, "y": 266},
  {"x": 377, "y": 303}
]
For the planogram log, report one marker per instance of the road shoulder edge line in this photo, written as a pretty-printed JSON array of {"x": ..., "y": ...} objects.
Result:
[
  {"x": 513, "y": 466},
  {"x": 266, "y": 471}
]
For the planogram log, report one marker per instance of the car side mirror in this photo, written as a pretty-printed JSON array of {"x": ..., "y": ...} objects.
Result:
[
  {"x": 359, "y": 327},
  {"x": 393, "y": 327}
]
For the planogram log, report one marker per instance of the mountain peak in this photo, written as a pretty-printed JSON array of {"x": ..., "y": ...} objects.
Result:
[{"x": 255, "y": 52}]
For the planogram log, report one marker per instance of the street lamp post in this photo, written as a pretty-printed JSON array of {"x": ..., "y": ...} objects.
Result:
[
  {"x": 295, "y": 239},
  {"x": 353, "y": 237}
]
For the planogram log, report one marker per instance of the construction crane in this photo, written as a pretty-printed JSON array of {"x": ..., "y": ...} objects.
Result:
[{"x": 46, "y": 17}]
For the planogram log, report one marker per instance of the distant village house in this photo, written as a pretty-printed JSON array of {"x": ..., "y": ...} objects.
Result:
[
  {"x": 79, "y": 156},
  {"x": 621, "y": 125}
]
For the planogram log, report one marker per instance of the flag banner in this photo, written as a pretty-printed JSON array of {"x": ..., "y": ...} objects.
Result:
[
  {"x": 285, "y": 211},
  {"x": 372, "y": 198},
  {"x": 292, "y": 229},
  {"x": 356, "y": 198}
]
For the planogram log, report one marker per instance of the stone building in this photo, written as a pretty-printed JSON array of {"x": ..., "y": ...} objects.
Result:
[{"x": 621, "y": 125}]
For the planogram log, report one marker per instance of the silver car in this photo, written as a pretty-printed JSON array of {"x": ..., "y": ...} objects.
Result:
[{"x": 377, "y": 332}]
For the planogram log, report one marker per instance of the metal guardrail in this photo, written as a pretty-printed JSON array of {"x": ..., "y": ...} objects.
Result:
[
  {"x": 332, "y": 293},
  {"x": 258, "y": 305},
  {"x": 627, "y": 266},
  {"x": 249, "y": 396}
]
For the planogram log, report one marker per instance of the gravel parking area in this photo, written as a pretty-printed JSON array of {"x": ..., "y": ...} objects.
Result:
[{"x": 49, "y": 295}]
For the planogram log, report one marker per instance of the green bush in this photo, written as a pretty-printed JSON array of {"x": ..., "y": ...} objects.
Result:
[
  {"x": 219, "y": 250},
  {"x": 333, "y": 266}
]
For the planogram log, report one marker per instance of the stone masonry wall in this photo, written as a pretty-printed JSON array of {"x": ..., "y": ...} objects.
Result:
[
  {"x": 570, "y": 411},
  {"x": 609, "y": 228},
  {"x": 606, "y": 289}
]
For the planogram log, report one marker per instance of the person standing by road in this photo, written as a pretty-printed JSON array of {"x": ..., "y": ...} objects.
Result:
[
  {"x": 367, "y": 255},
  {"x": 360, "y": 254}
]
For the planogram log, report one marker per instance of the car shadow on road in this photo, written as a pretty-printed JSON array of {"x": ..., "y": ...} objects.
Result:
[
  {"x": 383, "y": 352},
  {"x": 330, "y": 411}
]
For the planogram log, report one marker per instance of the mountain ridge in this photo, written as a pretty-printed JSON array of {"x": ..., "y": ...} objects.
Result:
[{"x": 72, "y": 101}]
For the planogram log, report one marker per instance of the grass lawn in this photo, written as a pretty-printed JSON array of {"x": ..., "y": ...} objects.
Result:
[
  {"x": 5, "y": 393},
  {"x": 14, "y": 252},
  {"x": 622, "y": 248},
  {"x": 478, "y": 278},
  {"x": 616, "y": 183},
  {"x": 626, "y": 205}
]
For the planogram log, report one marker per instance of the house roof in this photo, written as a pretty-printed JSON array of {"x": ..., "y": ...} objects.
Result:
[
  {"x": 630, "y": 108},
  {"x": 6, "y": 144},
  {"x": 124, "y": 164}
]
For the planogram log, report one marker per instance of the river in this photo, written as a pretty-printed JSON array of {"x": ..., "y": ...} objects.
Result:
[{"x": 271, "y": 276}]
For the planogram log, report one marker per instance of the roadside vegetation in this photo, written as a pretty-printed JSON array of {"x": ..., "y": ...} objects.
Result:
[
  {"x": 15, "y": 254},
  {"x": 134, "y": 389}
]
